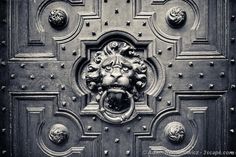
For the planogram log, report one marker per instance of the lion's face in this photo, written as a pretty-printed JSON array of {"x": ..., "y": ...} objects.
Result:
[{"x": 118, "y": 70}]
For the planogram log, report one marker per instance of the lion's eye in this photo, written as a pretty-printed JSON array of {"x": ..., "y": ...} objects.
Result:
[
  {"x": 107, "y": 68},
  {"x": 125, "y": 69}
]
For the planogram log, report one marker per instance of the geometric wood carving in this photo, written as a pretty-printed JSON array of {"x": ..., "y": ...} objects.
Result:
[
  {"x": 31, "y": 131},
  {"x": 204, "y": 42},
  {"x": 194, "y": 110},
  {"x": 33, "y": 43}
]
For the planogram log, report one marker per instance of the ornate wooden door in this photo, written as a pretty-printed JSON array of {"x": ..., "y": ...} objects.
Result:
[{"x": 117, "y": 78}]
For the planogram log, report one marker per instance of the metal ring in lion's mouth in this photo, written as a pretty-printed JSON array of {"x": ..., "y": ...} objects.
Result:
[
  {"x": 120, "y": 101},
  {"x": 116, "y": 118}
]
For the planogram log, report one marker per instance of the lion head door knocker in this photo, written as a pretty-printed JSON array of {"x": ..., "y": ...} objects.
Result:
[{"x": 117, "y": 75}]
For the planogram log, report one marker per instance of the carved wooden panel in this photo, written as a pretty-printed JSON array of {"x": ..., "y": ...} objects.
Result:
[
  {"x": 38, "y": 40},
  {"x": 98, "y": 78},
  {"x": 194, "y": 111},
  {"x": 197, "y": 38},
  {"x": 38, "y": 122}
]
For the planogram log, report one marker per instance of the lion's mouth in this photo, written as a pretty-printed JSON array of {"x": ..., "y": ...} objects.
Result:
[
  {"x": 116, "y": 88},
  {"x": 117, "y": 98}
]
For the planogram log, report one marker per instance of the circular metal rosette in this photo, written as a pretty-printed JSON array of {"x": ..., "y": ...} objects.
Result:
[
  {"x": 58, "y": 19},
  {"x": 175, "y": 132},
  {"x": 58, "y": 134},
  {"x": 176, "y": 17},
  {"x": 111, "y": 111}
]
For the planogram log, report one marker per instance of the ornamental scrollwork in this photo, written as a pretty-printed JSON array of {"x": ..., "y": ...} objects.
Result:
[{"x": 117, "y": 75}]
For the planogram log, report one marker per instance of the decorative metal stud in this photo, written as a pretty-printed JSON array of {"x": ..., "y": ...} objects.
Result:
[
  {"x": 232, "y": 61},
  {"x": 3, "y": 130},
  {"x": 89, "y": 127},
  {"x": 32, "y": 77},
  {"x": 170, "y": 64},
  {"x": 63, "y": 47},
  {"x": 128, "y": 23},
  {"x": 94, "y": 118},
  {"x": 159, "y": 52},
  {"x": 168, "y": 103},
  {"x": 106, "y": 152},
  {"x": 176, "y": 17},
  {"x": 117, "y": 140},
  {"x": 87, "y": 24},
  {"x": 232, "y": 40},
  {"x": 62, "y": 65},
  {"x": 63, "y": 87},
  {"x": 159, "y": 98},
  {"x": 63, "y": 103},
  {"x": 41, "y": 65},
  {"x": 52, "y": 76},
  {"x": 232, "y": 131},
  {"x": 169, "y": 86},
  {"x": 4, "y": 109},
  {"x": 144, "y": 127},
  {"x": 4, "y": 152},
  {"x": 201, "y": 75},
  {"x": 140, "y": 34},
  {"x": 232, "y": 109},
  {"x": 127, "y": 152},
  {"x": 232, "y": 17},
  {"x": 175, "y": 132},
  {"x": 169, "y": 48},
  {"x": 23, "y": 87},
  {"x": 222, "y": 74},
  {"x": 211, "y": 86},
  {"x": 190, "y": 86},
  {"x": 58, "y": 19},
  {"x": 13, "y": 76},
  {"x": 106, "y": 128},
  {"x": 43, "y": 87},
  {"x": 144, "y": 23},
  {"x": 106, "y": 23},
  {"x": 139, "y": 117},
  {"x": 3, "y": 43},
  {"x": 211, "y": 63},
  {"x": 128, "y": 129},
  {"x": 180, "y": 75},
  {"x": 22, "y": 65},
  {"x": 74, "y": 53},
  {"x": 73, "y": 98},
  {"x": 233, "y": 86},
  {"x": 3, "y": 63},
  {"x": 190, "y": 64},
  {"x": 3, "y": 88},
  {"x": 58, "y": 134},
  {"x": 116, "y": 11},
  {"x": 93, "y": 33}
]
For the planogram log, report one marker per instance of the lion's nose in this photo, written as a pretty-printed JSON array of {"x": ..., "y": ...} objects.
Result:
[{"x": 116, "y": 73}]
